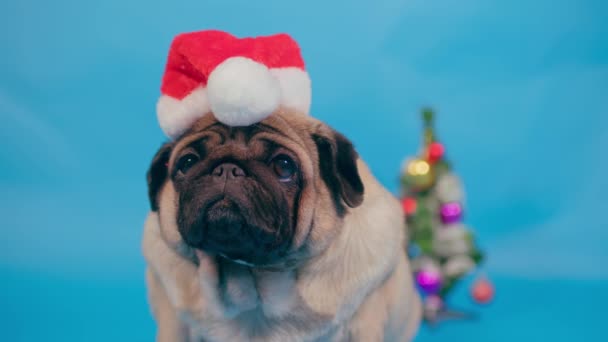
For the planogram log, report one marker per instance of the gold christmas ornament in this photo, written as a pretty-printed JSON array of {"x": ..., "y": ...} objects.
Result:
[{"x": 419, "y": 174}]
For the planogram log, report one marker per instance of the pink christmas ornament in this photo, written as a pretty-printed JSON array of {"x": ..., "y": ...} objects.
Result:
[
  {"x": 429, "y": 280},
  {"x": 450, "y": 212}
]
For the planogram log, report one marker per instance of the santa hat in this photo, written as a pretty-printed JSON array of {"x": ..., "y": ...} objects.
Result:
[{"x": 240, "y": 81}]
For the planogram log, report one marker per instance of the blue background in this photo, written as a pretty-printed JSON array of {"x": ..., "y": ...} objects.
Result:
[{"x": 521, "y": 88}]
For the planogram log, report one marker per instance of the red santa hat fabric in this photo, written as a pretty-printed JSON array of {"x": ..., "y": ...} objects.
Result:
[{"x": 240, "y": 80}]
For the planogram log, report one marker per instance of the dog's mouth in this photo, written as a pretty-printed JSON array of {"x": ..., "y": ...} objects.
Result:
[
  {"x": 226, "y": 232},
  {"x": 239, "y": 261},
  {"x": 231, "y": 228},
  {"x": 223, "y": 225},
  {"x": 221, "y": 202}
]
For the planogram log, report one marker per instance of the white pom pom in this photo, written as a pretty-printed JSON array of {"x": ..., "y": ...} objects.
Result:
[
  {"x": 242, "y": 92},
  {"x": 453, "y": 240},
  {"x": 426, "y": 263},
  {"x": 449, "y": 188},
  {"x": 458, "y": 265}
]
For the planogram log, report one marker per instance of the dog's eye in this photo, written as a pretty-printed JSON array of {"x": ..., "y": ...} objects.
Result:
[
  {"x": 284, "y": 167},
  {"x": 186, "y": 162}
]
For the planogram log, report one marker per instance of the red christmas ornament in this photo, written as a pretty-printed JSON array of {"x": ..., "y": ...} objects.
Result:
[
  {"x": 409, "y": 205},
  {"x": 482, "y": 291},
  {"x": 435, "y": 152}
]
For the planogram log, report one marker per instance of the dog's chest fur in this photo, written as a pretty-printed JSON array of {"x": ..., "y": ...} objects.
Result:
[
  {"x": 261, "y": 306},
  {"x": 269, "y": 307}
]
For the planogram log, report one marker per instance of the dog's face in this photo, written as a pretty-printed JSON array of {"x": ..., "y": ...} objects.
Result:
[{"x": 264, "y": 195}]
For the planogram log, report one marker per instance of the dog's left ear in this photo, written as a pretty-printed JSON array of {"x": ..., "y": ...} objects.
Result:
[
  {"x": 338, "y": 166},
  {"x": 157, "y": 173}
]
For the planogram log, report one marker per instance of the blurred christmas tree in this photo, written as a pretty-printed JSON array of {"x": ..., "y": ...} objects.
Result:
[{"x": 441, "y": 247}]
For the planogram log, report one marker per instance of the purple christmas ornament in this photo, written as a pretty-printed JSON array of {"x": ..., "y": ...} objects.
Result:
[
  {"x": 450, "y": 212},
  {"x": 429, "y": 280}
]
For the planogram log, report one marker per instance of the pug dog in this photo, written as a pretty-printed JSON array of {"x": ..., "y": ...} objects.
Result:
[{"x": 276, "y": 231}]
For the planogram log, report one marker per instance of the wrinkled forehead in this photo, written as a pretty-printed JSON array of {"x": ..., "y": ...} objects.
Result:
[{"x": 291, "y": 130}]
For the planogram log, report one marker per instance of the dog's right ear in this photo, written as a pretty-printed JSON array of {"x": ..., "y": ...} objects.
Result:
[
  {"x": 157, "y": 173},
  {"x": 338, "y": 167}
]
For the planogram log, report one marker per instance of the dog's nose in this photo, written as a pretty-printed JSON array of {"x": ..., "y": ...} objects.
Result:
[{"x": 228, "y": 170}]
